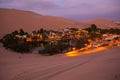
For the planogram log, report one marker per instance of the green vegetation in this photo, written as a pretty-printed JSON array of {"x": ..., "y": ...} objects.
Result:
[
  {"x": 81, "y": 42},
  {"x": 11, "y": 42},
  {"x": 111, "y": 30},
  {"x": 54, "y": 42},
  {"x": 21, "y": 47}
]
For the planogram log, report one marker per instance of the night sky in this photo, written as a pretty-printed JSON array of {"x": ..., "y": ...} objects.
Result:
[{"x": 71, "y": 9}]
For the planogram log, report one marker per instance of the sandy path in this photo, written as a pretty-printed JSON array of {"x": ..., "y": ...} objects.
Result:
[{"x": 59, "y": 67}]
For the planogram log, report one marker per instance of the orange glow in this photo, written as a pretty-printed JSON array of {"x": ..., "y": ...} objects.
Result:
[
  {"x": 77, "y": 52},
  {"x": 28, "y": 39},
  {"x": 94, "y": 50},
  {"x": 87, "y": 47},
  {"x": 72, "y": 53},
  {"x": 73, "y": 49},
  {"x": 89, "y": 40}
]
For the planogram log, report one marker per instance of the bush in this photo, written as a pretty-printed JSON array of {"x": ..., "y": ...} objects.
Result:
[
  {"x": 23, "y": 48},
  {"x": 8, "y": 40},
  {"x": 0, "y": 40},
  {"x": 54, "y": 49},
  {"x": 81, "y": 43},
  {"x": 50, "y": 49}
]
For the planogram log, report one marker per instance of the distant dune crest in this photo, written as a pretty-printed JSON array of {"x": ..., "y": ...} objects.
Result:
[{"x": 103, "y": 23}]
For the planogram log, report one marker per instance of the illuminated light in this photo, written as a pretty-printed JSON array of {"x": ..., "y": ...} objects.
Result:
[
  {"x": 28, "y": 39},
  {"x": 73, "y": 49},
  {"x": 77, "y": 52},
  {"x": 94, "y": 50},
  {"x": 89, "y": 40},
  {"x": 85, "y": 48},
  {"x": 18, "y": 36},
  {"x": 82, "y": 49},
  {"x": 85, "y": 44},
  {"x": 72, "y": 53},
  {"x": 86, "y": 51}
]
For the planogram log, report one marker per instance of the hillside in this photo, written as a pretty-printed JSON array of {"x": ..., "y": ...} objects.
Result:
[
  {"x": 11, "y": 19},
  {"x": 103, "y": 23}
]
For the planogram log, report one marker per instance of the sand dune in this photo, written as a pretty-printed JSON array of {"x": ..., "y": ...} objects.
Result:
[
  {"x": 11, "y": 19},
  {"x": 104, "y": 65},
  {"x": 103, "y": 23}
]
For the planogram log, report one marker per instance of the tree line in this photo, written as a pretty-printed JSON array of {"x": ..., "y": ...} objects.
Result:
[{"x": 20, "y": 45}]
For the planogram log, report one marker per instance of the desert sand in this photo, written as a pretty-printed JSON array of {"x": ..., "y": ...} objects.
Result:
[
  {"x": 12, "y": 19},
  {"x": 103, "y": 23},
  {"x": 102, "y": 65}
]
